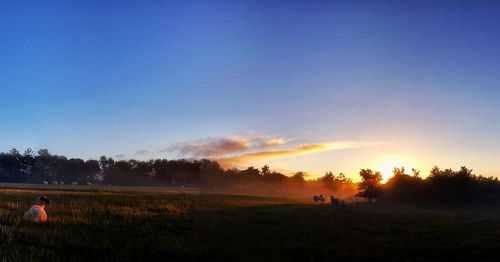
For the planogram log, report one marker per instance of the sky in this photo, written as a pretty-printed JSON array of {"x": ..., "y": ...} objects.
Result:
[{"x": 298, "y": 85}]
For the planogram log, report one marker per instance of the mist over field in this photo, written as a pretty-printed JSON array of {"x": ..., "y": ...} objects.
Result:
[{"x": 249, "y": 130}]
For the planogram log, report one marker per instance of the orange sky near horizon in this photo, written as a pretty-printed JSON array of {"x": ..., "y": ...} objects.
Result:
[{"x": 375, "y": 156}]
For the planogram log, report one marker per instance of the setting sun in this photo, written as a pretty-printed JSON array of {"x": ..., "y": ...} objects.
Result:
[{"x": 386, "y": 164}]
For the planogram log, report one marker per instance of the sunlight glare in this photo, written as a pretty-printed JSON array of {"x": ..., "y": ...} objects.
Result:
[{"x": 386, "y": 164}]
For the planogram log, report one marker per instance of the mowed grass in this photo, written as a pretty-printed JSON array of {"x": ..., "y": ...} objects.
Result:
[{"x": 160, "y": 225}]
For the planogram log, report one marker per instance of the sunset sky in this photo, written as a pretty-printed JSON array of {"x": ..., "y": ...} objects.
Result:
[{"x": 298, "y": 85}]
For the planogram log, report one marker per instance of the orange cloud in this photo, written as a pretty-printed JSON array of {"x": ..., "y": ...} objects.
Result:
[
  {"x": 301, "y": 150},
  {"x": 223, "y": 146},
  {"x": 270, "y": 142}
]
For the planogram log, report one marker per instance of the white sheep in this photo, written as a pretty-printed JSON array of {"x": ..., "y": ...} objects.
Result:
[{"x": 37, "y": 213}]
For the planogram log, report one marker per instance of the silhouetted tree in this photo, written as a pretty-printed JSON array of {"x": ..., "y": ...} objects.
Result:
[
  {"x": 299, "y": 177},
  {"x": 416, "y": 173},
  {"x": 328, "y": 182},
  {"x": 441, "y": 187},
  {"x": 334, "y": 183},
  {"x": 265, "y": 171},
  {"x": 402, "y": 186},
  {"x": 370, "y": 184}
]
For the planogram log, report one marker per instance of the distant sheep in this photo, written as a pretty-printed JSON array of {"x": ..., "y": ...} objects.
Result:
[
  {"x": 319, "y": 198},
  {"x": 337, "y": 202},
  {"x": 37, "y": 213}
]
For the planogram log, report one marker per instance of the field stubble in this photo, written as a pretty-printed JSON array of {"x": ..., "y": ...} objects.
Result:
[{"x": 160, "y": 225}]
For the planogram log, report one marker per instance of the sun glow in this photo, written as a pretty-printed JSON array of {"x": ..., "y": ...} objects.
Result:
[{"x": 386, "y": 164}]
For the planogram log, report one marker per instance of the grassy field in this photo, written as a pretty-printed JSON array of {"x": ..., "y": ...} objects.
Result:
[{"x": 160, "y": 225}]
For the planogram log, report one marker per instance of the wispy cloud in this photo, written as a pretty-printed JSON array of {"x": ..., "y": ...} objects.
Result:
[
  {"x": 120, "y": 156},
  {"x": 296, "y": 151},
  {"x": 223, "y": 146},
  {"x": 141, "y": 152},
  {"x": 234, "y": 151},
  {"x": 261, "y": 142}
]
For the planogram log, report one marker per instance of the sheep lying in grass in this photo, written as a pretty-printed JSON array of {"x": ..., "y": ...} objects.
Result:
[{"x": 37, "y": 212}]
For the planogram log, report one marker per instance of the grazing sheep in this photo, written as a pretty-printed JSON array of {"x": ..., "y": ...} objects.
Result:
[
  {"x": 319, "y": 198},
  {"x": 36, "y": 213},
  {"x": 337, "y": 202}
]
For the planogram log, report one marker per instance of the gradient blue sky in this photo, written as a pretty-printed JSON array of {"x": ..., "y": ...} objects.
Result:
[{"x": 414, "y": 80}]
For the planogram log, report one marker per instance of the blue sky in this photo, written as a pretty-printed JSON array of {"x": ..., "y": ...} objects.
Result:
[{"x": 411, "y": 79}]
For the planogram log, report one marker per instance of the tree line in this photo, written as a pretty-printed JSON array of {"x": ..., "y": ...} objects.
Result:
[
  {"x": 44, "y": 167},
  {"x": 440, "y": 188},
  {"x": 443, "y": 187}
]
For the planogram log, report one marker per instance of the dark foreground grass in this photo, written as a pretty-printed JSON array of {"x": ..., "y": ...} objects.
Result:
[{"x": 133, "y": 225}]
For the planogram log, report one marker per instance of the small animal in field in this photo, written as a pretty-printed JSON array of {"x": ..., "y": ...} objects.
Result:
[
  {"x": 37, "y": 213},
  {"x": 337, "y": 202},
  {"x": 319, "y": 198}
]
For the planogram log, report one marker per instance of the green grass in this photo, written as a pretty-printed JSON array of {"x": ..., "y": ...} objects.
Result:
[{"x": 155, "y": 225}]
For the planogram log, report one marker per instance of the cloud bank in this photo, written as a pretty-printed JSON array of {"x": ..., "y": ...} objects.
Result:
[
  {"x": 238, "y": 150},
  {"x": 295, "y": 151},
  {"x": 218, "y": 147}
]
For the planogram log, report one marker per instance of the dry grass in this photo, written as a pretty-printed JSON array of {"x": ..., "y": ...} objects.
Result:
[
  {"x": 158, "y": 225},
  {"x": 105, "y": 224}
]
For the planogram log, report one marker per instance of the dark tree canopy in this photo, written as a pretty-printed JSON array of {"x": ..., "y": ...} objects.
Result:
[
  {"x": 440, "y": 187},
  {"x": 370, "y": 184},
  {"x": 44, "y": 167}
]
